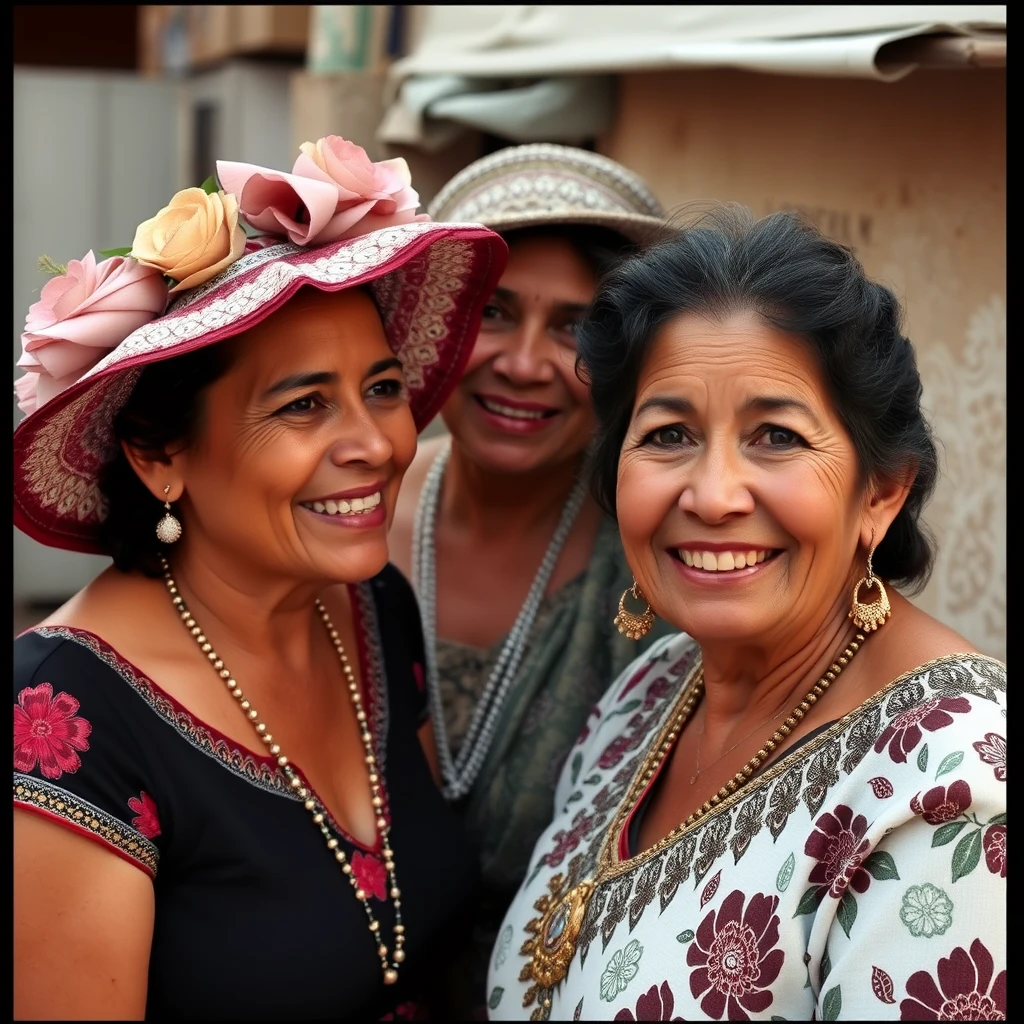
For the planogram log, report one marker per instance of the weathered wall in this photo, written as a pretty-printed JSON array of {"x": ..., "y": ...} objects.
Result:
[{"x": 912, "y": 174}]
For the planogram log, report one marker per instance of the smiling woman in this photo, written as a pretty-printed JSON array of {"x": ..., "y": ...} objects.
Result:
[
  {"x": 810, "y": 745},
  {"x": 225, "y": 735}
]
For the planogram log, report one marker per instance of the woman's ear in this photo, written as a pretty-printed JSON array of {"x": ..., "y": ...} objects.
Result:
[
  {"x": 156, "y": 472},
  {"x": 884, "y": 498}
]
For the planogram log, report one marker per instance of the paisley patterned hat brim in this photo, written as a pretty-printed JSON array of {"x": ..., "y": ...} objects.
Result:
[
  {"x": 430, "y": 281},
  {"x": 544, "y": 183}
]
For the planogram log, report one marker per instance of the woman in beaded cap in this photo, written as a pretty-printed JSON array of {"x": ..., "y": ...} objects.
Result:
[{"x": 517, "y": 571}]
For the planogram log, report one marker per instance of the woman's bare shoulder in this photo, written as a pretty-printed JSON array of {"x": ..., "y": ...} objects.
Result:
[
  {"x": 112, "y": 606},
  {"x": 912, "y": 638}
]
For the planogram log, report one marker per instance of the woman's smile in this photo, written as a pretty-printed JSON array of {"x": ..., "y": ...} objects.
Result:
[{"x": 698, "y": 564}]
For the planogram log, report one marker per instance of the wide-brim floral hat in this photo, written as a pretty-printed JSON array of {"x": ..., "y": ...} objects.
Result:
[
  {"x": 543, "y": 183},
  {"x": 99, "y": 324}
]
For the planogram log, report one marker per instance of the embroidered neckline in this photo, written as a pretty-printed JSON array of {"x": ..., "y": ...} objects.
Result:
[
  {"x": 609, "y": 863},
  {"x": 257, "y": 769}
]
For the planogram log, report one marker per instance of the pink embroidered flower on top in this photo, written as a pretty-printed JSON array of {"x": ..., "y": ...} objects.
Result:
[
  {"x": 146, "y": 820},
  {"x": 81, "y": 315},
  {"x": 334, "y": 191},
  {"x": 370, "y": 875},
  {"x": 48, "y": 732}
]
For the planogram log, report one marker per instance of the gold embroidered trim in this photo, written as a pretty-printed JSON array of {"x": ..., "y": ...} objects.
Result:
[
  {"x": 59, "y": 803},
  {"x": 609, "y": 866}
]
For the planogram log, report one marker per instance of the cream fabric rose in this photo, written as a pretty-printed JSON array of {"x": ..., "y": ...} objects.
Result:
[
  {"x": 335, "y": 191},
  {"x": 191, "y": 239},
  {"x": 80, "y": 316}
]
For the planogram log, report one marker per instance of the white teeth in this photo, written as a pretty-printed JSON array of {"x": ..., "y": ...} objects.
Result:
[
  {"x": 357, "y": 506},
  {"x": 515, "y": 414},
  {"x": 724, "y": 561}
]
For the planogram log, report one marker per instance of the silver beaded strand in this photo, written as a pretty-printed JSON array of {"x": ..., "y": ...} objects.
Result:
[
  {"x": 459, "y": 773},
  {"x": 302, "y": 790}
]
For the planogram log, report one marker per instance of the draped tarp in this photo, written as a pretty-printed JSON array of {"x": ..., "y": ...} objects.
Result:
[{"x": 545, "y": 71}]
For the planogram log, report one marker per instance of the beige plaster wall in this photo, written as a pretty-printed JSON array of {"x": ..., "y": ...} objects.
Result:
[{"x": 912, "y": 174}]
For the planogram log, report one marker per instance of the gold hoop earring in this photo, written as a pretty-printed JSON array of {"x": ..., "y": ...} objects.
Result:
[
  {"x": 870, "y": 616},
  {"x": 629, "y": 624},
  {"x": 168, "y": 530}
]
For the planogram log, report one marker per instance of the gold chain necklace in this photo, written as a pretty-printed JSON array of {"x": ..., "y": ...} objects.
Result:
[
  {"x": 699, "y": 770},
  {"x": 552, "y": 944},
  {"x": 303, "y": 790}
]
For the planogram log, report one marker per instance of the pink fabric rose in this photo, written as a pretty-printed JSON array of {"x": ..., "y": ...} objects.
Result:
[
  {"x": 334, "y": 191},
  {"x": 80, "y": 316}
]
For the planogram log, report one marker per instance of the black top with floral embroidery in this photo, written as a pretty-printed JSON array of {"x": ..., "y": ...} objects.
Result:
[{"x": 254, "y": 918}]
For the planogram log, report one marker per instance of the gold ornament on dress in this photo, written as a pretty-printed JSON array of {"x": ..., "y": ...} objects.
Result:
[
  {"x": 168, "y": 530},
  {"x": 629, "y": 624},
  {"x": 870, "y": 616},
  {"x": 556, "y": 932},
  {"x": 302, "y": 789}
]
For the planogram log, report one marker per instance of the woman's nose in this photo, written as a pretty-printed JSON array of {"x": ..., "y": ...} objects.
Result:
[
  {"x": 715, "y": 487},
  {"x": 526, "y": 357},
  {"x": 360, "y": 439}
]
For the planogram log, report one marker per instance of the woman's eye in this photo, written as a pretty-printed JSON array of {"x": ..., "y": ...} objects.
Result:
[
  {"x": 666, "y": 437},
  {"x": 390, "y": 388},
  {"x": 304, "y": 404},
  {"x": 780, "y": 437},
  {"x": 492, "y": 311}
]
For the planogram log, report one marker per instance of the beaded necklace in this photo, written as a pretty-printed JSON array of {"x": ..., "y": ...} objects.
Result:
[
  {"x": 302, "y": 789},
  {"x": 458, "y": 773}
]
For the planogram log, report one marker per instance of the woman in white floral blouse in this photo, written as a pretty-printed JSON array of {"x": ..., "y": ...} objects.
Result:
[{"x": 794, "y": 809}]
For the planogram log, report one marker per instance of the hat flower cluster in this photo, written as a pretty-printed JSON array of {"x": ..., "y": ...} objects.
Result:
[{"x": 90, "y": 306}]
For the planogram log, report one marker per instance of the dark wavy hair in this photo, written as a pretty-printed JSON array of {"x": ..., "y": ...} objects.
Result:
[
  {"x": 798, "y": 281},
  {"x": 163, "y": 413}
]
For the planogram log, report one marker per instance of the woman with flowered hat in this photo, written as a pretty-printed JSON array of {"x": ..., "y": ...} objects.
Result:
[
  {"x": 222, "y": 752},
  {"x": 517, "y": 571}
]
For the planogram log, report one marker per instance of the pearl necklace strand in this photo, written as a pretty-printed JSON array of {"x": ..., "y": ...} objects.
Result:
[
  {"x": 459, "y": 773},
  {"x": 300, "y": 787}
]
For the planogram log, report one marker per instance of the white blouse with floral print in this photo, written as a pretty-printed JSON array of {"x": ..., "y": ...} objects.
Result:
[{"x": 862, "y": 877}]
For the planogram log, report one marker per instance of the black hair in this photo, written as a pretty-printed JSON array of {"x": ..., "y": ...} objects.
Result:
[
  {"x": 798, "y": 281},
  {"x": 600, "y": 248},
  {"x": 164, "y": 412}
]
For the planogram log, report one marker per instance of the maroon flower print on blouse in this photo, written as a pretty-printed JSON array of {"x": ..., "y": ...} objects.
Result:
[
  {"x": 993, "y": 842},
  {"x": 735, "y": 959},
  {"x": 942, "y": 804},
  {"x": 962, "y": 992},
  {"x": 567, "y": 840},
  {"x": 47, "y": 731},
  {"x": 838, "y": 845},
  {"x": 147, "y": 822},
  {"x": 370, "y": 875},
  {"x": 992, "y": 750},
  {"x": 904, "y": 733},
  {"x": 655, "y": 1004}
]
